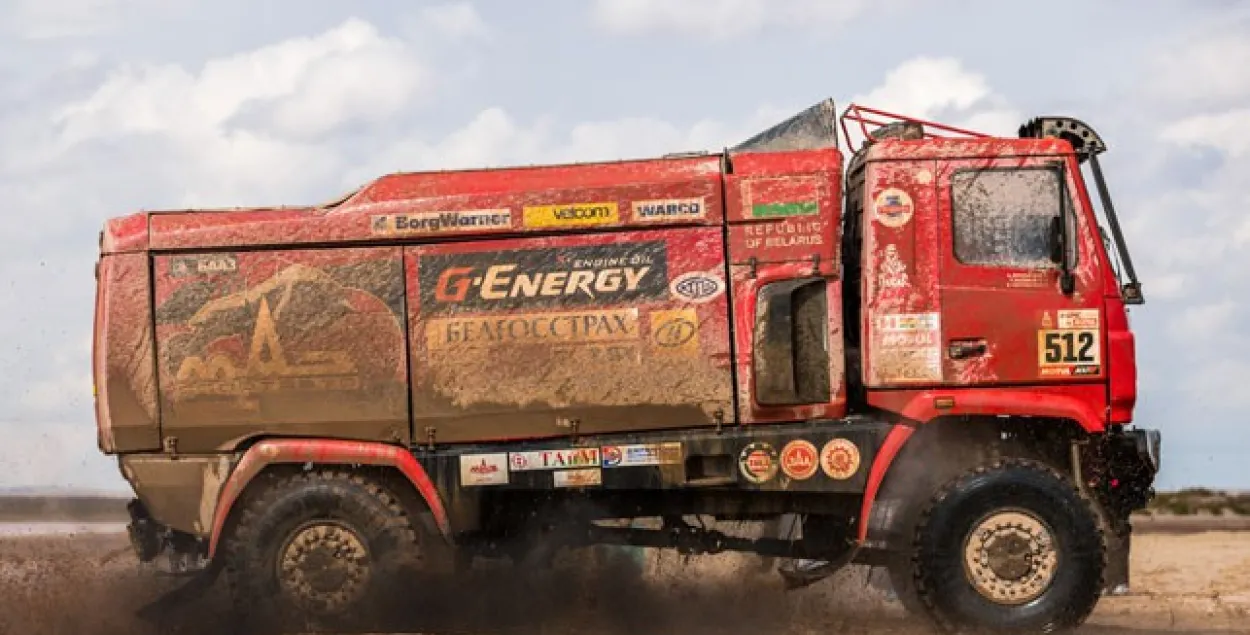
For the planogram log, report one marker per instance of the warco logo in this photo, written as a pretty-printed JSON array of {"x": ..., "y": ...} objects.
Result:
[
  {"x": 669, "y": 209},
  {"x": 571, "y": 276}
]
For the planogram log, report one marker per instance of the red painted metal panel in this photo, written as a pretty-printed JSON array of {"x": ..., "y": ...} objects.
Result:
[
  {"x": 783, "y": 210},
  {"x": 1121, "y": 362},
  {"x": 125, "y": 234},
  {"x": 1031, "y": 329},
  {"x": 901, "y": 314},
  {"x": 468, "y": 203},
  {"x": 324, "y": 452},
  {"x": 604, "y": 332},
  {"x": 122, "y": 357},
  {"x": 746, "y": 286},
  {"x": 1082, "y": 403},
  {"x": 785, "y": 207},
  {"x": 293, "y": 342}
]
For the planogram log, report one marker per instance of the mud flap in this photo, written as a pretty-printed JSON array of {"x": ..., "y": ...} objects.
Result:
[{"x": 1117, "y": 573}]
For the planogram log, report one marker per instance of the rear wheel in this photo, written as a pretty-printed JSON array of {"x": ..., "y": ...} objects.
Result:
[
  {"x": 313, "y": 550},
  {"x": 1009, "y": 547}
]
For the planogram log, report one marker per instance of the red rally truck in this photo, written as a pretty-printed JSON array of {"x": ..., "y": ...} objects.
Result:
[{"x": 922, "y": 353}]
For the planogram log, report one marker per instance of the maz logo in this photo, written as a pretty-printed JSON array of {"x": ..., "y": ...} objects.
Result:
[{"x": 696, "y": 287}]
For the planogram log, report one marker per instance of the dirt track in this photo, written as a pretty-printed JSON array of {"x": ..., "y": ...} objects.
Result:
[{"x": 1192, "y": 583}]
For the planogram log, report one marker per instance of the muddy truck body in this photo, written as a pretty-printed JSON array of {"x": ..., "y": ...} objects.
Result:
[{"x": 922, "y": 353}]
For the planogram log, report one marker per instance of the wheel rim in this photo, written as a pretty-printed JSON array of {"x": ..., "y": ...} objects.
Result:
[
  {"x": 1010, "y": 557},
  {"x": 324, "y": 567}
]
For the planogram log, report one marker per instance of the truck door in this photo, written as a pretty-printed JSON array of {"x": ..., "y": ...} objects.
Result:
[{"x": 1005, "y": 316}]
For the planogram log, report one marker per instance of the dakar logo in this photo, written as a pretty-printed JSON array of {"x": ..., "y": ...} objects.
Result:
[
  {"x": 266, "y": 368},
  {"x": 893, "y": 273},
  {"x": 484, "y": 469}
]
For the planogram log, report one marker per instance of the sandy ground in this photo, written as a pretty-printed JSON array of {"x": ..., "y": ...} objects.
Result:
[{"x": 89, "y": 584}]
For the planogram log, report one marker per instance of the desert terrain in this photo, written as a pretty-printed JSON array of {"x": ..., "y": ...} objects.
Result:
[{"x": 1190, "y": 576}]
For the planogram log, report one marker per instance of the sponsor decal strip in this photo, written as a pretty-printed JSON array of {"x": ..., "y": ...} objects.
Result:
[
  {"x": 569, "y": 276},
  {"x": 571, "y": 215},
  {"x": 558, "y": 459},
  {"x": 644, "y": 454},
  {"x": 609, "y": 325},
  {"x": 586, "y": 477},
  {"x": 669, "y": 210},
  {"x": 420, "y": 223}
]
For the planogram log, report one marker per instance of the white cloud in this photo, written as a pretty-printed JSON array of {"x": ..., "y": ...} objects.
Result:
[
  {"x": 723, "y": 19},
  {"x": 246, "y": 126},
  {"x": 1227, "y": 131},
  {"x": 459, "y": 20},
  {"x": 301, "y": 87},
  {"x": 943, "y": 90},
  {"x": 1209, "y": 67}
]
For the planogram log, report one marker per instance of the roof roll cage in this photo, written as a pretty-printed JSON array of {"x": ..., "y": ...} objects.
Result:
[{"x": 877, "y": 124}]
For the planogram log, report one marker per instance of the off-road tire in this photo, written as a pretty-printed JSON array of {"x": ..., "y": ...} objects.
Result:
[
  {"x": 903, "y": 584},
  {"x": 947, "y": 593},
  {"x": 291, "y": 503}
]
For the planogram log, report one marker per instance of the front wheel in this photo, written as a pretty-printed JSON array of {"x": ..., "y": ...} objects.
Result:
[{"x": 1009, "y": 547}]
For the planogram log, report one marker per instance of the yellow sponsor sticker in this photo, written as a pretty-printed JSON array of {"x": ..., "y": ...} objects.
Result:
[
  {"x": 572, "y": 215},
  {"x": 675, "y": 332}
]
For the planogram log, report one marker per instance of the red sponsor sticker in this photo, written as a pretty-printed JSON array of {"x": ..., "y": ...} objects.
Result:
[
  {"x": 800, "y": 460},
  {"x": 758, "y": 462}
]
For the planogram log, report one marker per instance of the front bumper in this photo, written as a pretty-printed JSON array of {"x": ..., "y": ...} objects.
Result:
[{"x": 1134, "y": 458}]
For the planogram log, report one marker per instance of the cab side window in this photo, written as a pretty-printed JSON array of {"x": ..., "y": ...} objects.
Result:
[{"x": 1002, "y": 216}]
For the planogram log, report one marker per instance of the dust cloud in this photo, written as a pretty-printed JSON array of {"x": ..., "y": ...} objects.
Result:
[{"x": 89, "y": 584}]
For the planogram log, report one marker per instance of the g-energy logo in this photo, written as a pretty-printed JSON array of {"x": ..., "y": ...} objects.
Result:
[{"x": 571, "y": 276}]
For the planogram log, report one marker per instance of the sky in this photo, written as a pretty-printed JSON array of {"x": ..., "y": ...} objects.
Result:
[{"x": 112, "y": 106}]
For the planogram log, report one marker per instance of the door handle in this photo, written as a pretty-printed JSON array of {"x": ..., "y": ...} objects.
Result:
[{"x": 963, "y": 349}]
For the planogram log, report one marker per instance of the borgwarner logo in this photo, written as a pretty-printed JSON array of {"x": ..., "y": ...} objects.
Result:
[
  {"x": 697, "y": 287},
  {"x": 570, "y": 276}
]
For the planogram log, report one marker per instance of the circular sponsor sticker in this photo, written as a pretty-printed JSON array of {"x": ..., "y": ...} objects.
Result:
[
  {"x": 800, "y": 460},
  {"x": 518, "y": 461},
  {"x": 674, "y": 332},
  {"x": 839, "y": 459},
  {"x": 696, "y": 287},
  {"x": 893, "y": 207},
  {"x": 758, "y": 462},
  {"x": 611, "y": 456}
]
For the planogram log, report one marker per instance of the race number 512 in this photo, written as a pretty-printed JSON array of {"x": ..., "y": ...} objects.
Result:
[{"x": 1068, "y": 348}]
